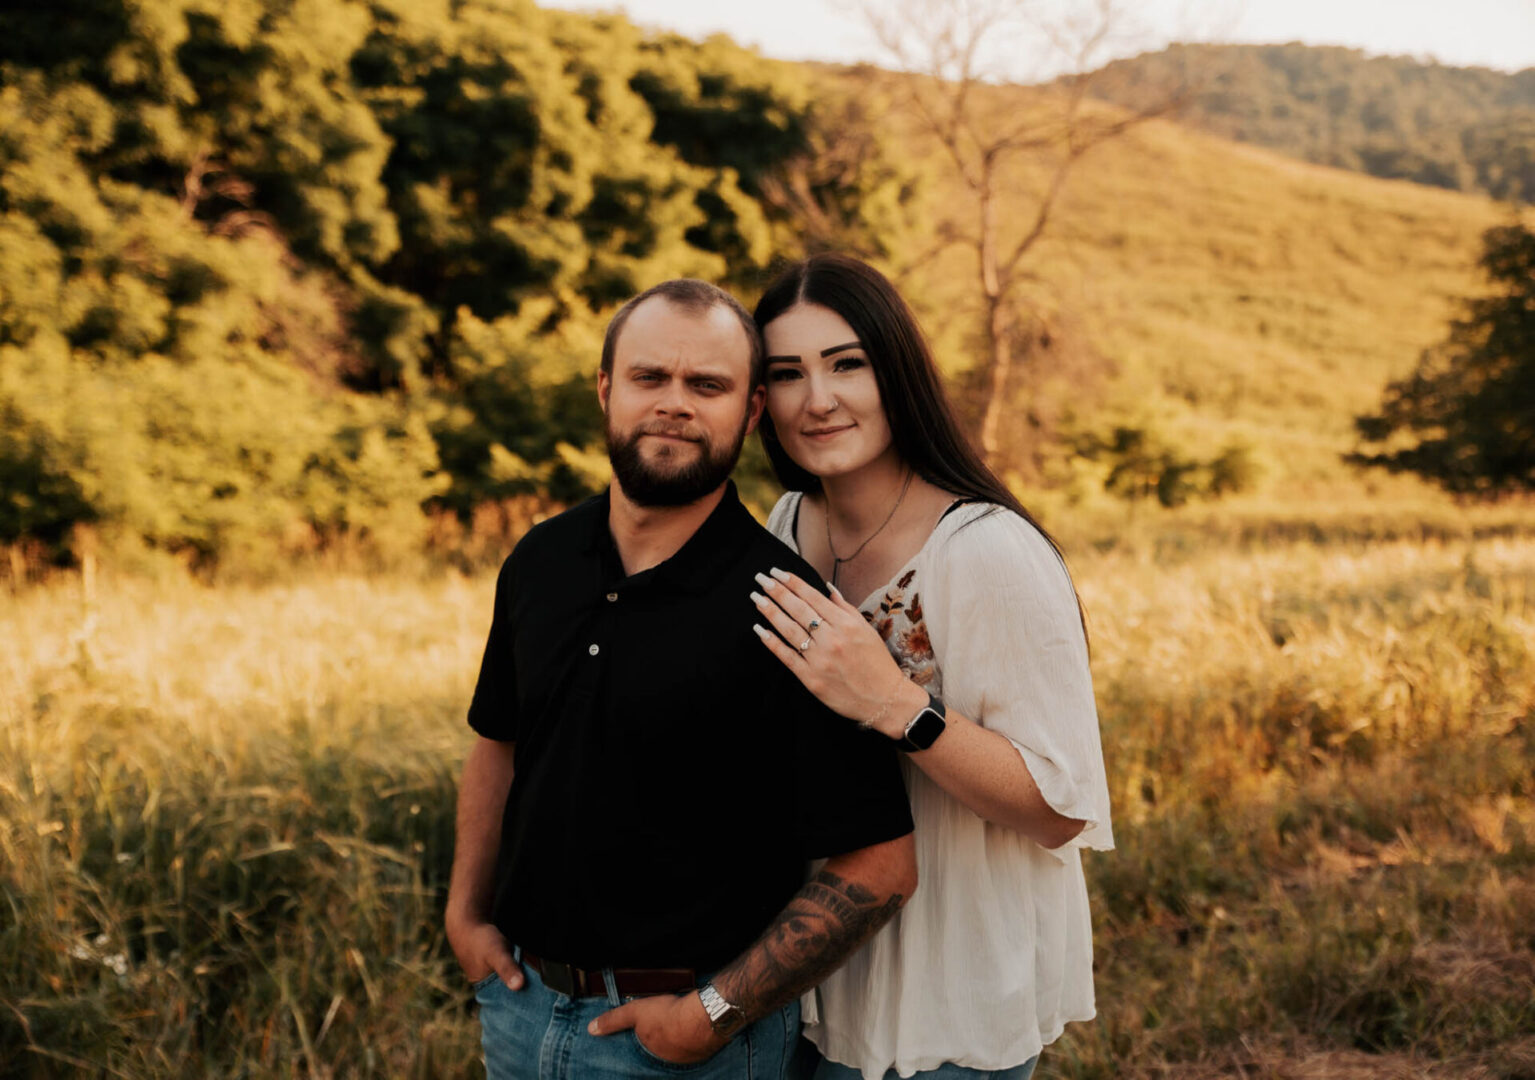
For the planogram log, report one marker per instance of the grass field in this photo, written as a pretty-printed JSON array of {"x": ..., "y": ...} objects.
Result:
[{"x": 225, "y": 816}]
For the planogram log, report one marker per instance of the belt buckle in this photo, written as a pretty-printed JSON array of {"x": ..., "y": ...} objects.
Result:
[{"x": 561, "y": 978}]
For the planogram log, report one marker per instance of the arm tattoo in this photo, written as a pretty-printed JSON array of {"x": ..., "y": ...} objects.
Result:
[{"x": 821, "y": 927}]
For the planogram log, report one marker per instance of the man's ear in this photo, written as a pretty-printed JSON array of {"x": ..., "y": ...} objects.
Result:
[
  {"x": 754, "y": 408},
  {"x": 604, "y": 388}
]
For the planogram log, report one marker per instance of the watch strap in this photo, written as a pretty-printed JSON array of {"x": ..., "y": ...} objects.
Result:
[{"x": 726, "y": 1019}]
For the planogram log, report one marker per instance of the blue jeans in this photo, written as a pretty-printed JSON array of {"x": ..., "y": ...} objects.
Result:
[
  {"x": 810, "y": 1065},
  {"x": 539, "y": 1034}
]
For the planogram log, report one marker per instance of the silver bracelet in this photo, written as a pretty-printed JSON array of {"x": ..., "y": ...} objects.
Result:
[{"x": 880, "y": 713}]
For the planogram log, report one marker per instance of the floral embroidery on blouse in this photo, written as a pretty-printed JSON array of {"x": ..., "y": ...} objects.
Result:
[{"x": 899, "y": 622}]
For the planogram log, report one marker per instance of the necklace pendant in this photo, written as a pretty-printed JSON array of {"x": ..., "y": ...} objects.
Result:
[{"x": 836, "y": 560}]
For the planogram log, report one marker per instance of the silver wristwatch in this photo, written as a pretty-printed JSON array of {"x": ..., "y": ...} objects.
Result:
[{"x": 726, "y": 1019}]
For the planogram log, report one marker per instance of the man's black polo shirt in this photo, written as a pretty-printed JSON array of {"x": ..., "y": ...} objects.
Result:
[{"x": 672, "y": 776}]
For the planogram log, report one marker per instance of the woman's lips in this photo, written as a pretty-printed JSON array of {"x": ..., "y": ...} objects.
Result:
[{"x": 822, "y": 434}]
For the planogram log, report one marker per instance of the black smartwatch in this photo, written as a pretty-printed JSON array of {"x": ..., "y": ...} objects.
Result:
[{"x": 925, "y": 727}]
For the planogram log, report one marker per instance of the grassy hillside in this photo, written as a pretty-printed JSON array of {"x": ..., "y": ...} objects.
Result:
[{"x": 1232, "y": 292}]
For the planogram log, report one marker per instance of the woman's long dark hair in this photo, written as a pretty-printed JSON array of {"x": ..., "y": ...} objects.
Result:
[{"x": 923, "y": 424}]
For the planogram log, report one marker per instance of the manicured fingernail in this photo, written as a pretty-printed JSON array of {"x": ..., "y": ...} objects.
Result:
[
  {"x": 758, "y": 598},
  {"x": 765, "y": 581},
  {"x": 779, "y": 574},
  {"x": 760, "y": 631},
  {"x": 834, "y": 589}
]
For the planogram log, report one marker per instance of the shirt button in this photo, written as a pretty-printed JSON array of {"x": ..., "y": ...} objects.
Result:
[
  {"x": 592, "y": 649},
  {"x": 612, "y": 596}
]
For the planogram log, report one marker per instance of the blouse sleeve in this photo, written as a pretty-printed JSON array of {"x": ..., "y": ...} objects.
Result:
[
  {"x": 781, "y": 521},
  {"x": 1007, "y": 635}
]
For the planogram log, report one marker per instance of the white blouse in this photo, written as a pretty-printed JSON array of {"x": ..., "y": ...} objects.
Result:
[{"x": 993, "y": 954}]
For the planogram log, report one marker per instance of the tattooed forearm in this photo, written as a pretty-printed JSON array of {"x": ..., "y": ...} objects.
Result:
[{"x": 825, "y": 922}]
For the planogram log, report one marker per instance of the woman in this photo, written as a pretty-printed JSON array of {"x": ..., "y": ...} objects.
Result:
[{"x": 954, "y": 629}]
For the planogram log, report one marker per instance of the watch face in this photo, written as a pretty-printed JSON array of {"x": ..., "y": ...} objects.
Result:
[
  {"x": 730, "y": 1023},
  {"x": 926, "y": 728}
]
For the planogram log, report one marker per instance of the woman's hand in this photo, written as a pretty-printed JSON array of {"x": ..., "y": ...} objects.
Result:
[{"x": 843, "y": 662}]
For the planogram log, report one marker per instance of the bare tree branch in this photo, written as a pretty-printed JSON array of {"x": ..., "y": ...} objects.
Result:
[
  {"x": 951, "y": 47},
  {"x": 1041, "y": 218},
  {"x": 947, "y": 238}
]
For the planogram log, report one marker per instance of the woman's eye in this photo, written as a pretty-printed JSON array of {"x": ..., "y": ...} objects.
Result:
[
  {"x": 783, "y": 374},
  {"x": 848, "y": 363}
]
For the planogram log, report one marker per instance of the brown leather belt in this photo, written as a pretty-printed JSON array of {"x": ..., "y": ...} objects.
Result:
[{"x": 630, "y": 982}]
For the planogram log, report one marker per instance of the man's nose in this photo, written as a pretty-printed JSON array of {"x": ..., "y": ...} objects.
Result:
[{"x": 675, "y": 400}]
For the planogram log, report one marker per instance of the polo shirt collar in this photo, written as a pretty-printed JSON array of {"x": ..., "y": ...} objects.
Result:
[{"x": 703, "y": 559}]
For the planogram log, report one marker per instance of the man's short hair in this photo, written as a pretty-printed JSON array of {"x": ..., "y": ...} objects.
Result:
[{"x": 695, "y": 297}]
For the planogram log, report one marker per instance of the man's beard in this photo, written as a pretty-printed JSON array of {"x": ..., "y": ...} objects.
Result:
[{"x": 652, "y": 484}]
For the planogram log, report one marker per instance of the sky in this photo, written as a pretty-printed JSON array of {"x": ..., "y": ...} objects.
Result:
[{"x": 1489, "y": 33}]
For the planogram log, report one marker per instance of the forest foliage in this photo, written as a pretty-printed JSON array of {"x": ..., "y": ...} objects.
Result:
[
  {"x": 275, "y": 273},
  {"x": 1395, "y": 117}
]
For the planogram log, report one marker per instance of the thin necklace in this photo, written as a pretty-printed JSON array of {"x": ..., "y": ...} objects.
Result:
[{"x": 837, "y": 560}]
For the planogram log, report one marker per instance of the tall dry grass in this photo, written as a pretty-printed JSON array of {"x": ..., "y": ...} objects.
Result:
[
  {"x": 227, "y": 825},
  {"x": 1322, "y": 762},
  {"x": 225, "y": 819}
]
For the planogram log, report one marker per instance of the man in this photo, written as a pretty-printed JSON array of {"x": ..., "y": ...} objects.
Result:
[{"x": 638, "y": 893}]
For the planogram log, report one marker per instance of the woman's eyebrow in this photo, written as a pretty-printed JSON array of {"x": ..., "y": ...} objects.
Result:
[{"x": 839, "y": 348}]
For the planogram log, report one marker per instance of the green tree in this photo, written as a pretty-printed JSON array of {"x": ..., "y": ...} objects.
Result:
[
  {"x": 1465, "y": 417},
  {"x": 1142, "y": 464},
  {"x": 168, "y": 366},
  {"x": 274, "y": 272}
]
